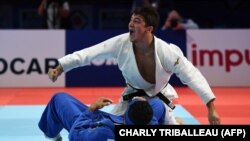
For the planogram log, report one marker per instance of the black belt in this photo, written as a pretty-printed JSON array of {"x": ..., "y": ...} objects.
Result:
[{"x": 143, "y": 93}]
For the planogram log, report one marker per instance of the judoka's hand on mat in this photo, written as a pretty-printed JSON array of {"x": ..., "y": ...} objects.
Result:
[
  {"x": 100, "y": 103},
  {"x": 55, "y": 73}
]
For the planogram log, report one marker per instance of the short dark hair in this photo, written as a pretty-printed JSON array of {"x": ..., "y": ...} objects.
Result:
[
  {"x": 150, "y": 15},
  {"x": 140, "y": 112}
]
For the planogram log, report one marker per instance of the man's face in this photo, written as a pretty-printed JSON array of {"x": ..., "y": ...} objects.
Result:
[{"x": 137, "y": 28}]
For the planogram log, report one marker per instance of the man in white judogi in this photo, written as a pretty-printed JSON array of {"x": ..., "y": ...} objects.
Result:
[{"x": 146, "y": 63}]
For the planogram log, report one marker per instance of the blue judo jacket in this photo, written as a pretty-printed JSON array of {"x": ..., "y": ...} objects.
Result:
[
  {"x": 94, "y": 126},
  {"x": 65, "y": 111}
]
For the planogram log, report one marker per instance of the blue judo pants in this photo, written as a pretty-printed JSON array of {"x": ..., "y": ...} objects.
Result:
[{"x": 61, "y": 112}]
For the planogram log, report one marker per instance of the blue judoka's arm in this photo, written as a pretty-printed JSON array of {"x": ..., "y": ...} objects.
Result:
[
  {"x": 91, "y": 115},
  {"x": 92, "y": 125}
]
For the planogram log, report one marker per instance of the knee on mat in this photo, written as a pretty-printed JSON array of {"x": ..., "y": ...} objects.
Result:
[{"x": 60, "y": 95}]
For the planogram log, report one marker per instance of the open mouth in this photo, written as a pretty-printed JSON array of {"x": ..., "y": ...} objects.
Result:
[{"x": 131, "y": 32}]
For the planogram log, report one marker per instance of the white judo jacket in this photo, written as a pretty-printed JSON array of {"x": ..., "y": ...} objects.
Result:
[{"x": 169, "y": 60}]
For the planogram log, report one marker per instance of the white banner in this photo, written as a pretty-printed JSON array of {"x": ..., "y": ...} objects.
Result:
[
  {"x": 26, "y": 55},
  {"x": 223, "y": 56}
]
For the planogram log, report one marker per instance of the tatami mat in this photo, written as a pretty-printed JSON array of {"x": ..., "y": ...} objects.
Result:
[{"x": 19, "y": 122}]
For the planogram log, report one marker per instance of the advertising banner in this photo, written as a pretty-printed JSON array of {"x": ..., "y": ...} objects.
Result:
[
  {"x": 223, "y": 56},
  {"x": 26, "y": 55}
]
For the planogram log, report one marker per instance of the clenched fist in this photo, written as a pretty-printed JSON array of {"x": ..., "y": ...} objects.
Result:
[{"x": 55, "y": 73}]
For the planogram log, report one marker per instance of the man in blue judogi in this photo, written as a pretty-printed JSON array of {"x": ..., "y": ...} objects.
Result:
[{"x": 87, "y": 123}]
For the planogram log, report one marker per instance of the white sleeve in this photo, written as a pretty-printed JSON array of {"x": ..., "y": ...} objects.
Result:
[
  {"x": 105, "y": 49},
  {"x": 188, "y": 74}
]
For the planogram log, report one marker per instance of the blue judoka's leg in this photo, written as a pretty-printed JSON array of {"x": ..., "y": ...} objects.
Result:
[{"x": 61, "y": 112}]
